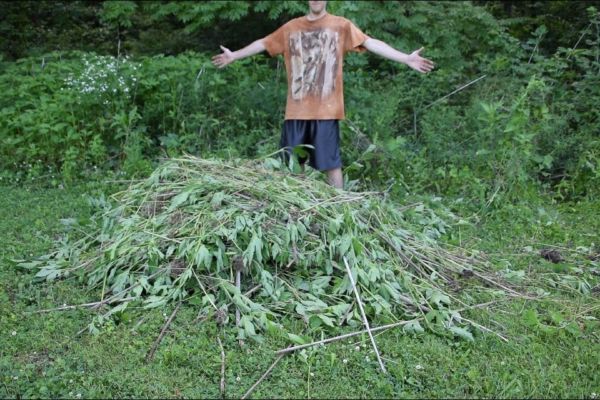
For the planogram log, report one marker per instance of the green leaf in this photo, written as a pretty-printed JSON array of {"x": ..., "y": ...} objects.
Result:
[
  {"x": 556, "y": 317},
  {"x": 438, "y": 298},
  {"x": 179, "y": 200},
  {"x": 573, "y": 329},
  {"x": 248, "y": 326},
  {"x": 340, "y": 309},
  {"x": 531, "y": 319},
  {"x": 357, "y": 246},
  {"x": 296, "y": 339},
  {"x": 326, "y": 320},
  {"x": 462, "y": 333},
  {"x": 28, "y": 265},
  {"x": 154, "y": 301},
  {"x": 254, "y": 249},
  {"x": 345, "y": 244},
  {"x": 217, "y": 199},
  {"x": 203, "y": 257},
  {"x": 413, "y": 327},
  {"x": 314, "y": 322},
  {"x": 44, "y": 272},
  {"x": 241, "y": 304}
]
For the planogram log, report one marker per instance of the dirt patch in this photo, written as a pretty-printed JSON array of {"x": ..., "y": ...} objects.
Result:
[{"x": 551, "y": 255}]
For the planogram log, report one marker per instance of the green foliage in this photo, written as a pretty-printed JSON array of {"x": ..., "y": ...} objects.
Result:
[
  {"x": 72, "y": 112},
  {"x": 563, "y": 20},
  {"x": 526, "y": 126},
  {"x": 118, "y": 13},
  {"x": 529, "y": 124}
]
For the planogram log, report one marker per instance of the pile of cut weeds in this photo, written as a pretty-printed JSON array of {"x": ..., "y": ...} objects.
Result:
[{"x": 247, "y": 238}]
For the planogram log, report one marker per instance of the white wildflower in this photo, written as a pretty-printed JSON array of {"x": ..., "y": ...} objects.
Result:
[
  {"x": 419, "y": 367},
  {"x": 345, "y": 361},
  {"x": 14, "y": 333}
]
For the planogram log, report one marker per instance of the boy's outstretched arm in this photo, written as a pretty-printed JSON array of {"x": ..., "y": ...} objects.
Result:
[
  {"x": 413, "y": 60},
  {"x": 228, "y": 56}
]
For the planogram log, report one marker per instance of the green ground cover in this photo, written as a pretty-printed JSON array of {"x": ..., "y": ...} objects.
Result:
[{"x": 553, "y": 348}]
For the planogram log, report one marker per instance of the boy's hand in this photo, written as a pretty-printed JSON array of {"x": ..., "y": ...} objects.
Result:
[
  {"x": 223, "y": 59},
  {"x": 418, "y": 63}
]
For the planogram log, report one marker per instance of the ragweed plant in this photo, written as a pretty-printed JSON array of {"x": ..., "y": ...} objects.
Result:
[{"x": 187, "y": 231}]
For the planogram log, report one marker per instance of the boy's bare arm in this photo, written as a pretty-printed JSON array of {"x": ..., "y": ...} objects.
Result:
[
  {"x": 413, "y": 60},
  {"x": 228, "y": 56}
]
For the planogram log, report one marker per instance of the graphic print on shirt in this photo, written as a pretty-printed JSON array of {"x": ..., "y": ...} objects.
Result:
[{"x": 314, "y": 62}]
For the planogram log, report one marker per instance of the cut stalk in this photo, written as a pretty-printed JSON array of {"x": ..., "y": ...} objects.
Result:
[{"x": 362, "y": 312}]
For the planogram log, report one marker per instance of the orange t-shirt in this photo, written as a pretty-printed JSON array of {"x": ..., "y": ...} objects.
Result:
[{"x": 314, "y": 54}]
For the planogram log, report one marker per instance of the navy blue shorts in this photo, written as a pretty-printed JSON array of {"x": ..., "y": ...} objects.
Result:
[{"x": 323, "y": 135}]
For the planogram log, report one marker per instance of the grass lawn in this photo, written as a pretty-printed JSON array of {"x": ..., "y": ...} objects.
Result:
[{"x": 553, "y": 347}]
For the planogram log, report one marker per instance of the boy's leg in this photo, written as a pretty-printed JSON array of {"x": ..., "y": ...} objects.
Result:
[
  {"x": 335, "y": 178},
  {"x": 294, "y": 133},
  {"x": 326, "y": 156}
]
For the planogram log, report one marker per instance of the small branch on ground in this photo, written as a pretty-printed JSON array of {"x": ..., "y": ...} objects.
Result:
[
  {"x": 238, "y": 285},
  {"x": 267, "y": 372},
  {"x": 73, "y": 307},
  {"x": 362, "y": 312},
  {"x": 222, "y": 386},
  {"x": 150, "y": 355}
]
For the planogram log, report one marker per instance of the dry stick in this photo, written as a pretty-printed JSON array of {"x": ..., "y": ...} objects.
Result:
[
  {"x": 344, "y": 336},
  {"x": 455, "y": 91},
  {"x": 362, "y": 311},
  {"x": 238, "y": 285},
  {"x": 267, "y": 372},
  {"x": 484, "y": 328},
  {"x": 162, "y": 334},
  {"x": 222, "y": 387},
  {"x": 579, "y": 40},
  {"x": 73, "y": 307},
  {"x": 493, "y": 282},
  {"x": 533, "y": 52},
  {"x": 204, "y": 290}
]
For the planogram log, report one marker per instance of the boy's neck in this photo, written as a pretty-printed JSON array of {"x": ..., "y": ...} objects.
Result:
[{"x": 313, "y": 17}]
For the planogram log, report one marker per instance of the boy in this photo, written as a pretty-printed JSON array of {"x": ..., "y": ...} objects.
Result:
[{"x": 313, "y": 47}]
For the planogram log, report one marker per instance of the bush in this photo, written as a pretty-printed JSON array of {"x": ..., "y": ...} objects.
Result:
[{"x": 68, "y": 112}]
